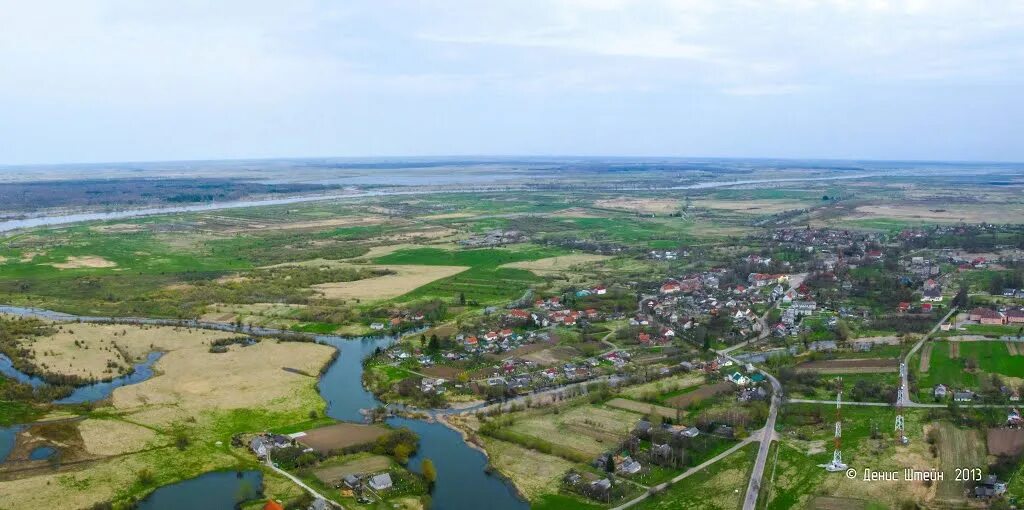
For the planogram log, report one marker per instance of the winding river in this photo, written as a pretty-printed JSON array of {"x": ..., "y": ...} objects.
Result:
[
  {"x": 64, "y": 219},
  {"x": 462, "y": 479}
]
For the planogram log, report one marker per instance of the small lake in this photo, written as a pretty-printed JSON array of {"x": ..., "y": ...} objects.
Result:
[
  {"x": 41, "y": 453},
  {"x": 219, "y": 490}
]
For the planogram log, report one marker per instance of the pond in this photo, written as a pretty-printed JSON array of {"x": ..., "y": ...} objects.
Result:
[
  {"x": 41, "y": 453},
  {"x": 7, "y": 438},
  {"x": 219, "y": 490}
]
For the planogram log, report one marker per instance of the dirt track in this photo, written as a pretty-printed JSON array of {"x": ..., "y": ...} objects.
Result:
[
  {"x": 850, "y": 366},
  {"x": 926, "y": 358}
]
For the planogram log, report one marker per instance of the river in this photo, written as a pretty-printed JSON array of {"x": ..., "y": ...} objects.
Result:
[
  {"x": 462, "y": 480},
  {"x": 64, "y": 219}
]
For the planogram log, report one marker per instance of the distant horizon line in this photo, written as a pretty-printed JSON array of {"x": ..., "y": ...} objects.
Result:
[{"x": 499, "y": 158}]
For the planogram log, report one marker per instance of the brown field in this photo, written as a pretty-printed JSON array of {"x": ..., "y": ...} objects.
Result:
[
  {"x": 850, "y": 366},
  {"x": 365, "y": 465},
  {"x": 643, "y": 205},
  {"x": 193, "y": 380},
  {"x": 942, "y": 212},
  {"x": 758, "y": 206},
  {"x": 103, "y": 343},
  {"x": 1011, "y": 347},
  {"x": 441, "y": 371},
  {"x": 114, "y": 437},
  {"x": 406, "y": 279},
  {"x": 238, "y": 225},
  {"x": 551, "y": 355},
  {"x": 551, "y": 265},
  {"x": 926, "y": 357},
  {"x": 340, "y": 435},
  {"x": 643, "y": 407},
  {"x": 1005, "y": 442},
  {"x": 84, "y": 262},
  {"x": 954, "y": 350},
  {"x": 957, "y": 448},
  {"x": 699, "y": 394},
  {"x": 577, "y": 212}
]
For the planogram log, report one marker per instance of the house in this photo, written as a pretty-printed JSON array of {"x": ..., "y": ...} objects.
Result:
[
  {"x": 272, "y": 505},
  {"x": 352, "y": 481},
  {"x": 644, "y": 338},
  {"x": 963, "y": 396},
  {"x": 377, "y": 326},
  {"x": 738, "y": 379},
  {"x": 933, "y": 294},
  {"x": 320, "y": 504},
  {"x": 1014, "y": 316},
  {"x": 823, "y": 346},
  {"x": 991, "y": 487},
  {"x": 926, "y": 307},
  {"x": 471, "y": 341},
  {"x": 661, "y": 451},
  {"x": 600, "y": 290},
  {"x": 381, "y": 482},
  {"x": 670, "y": 288},
  {"x": 260, "y": 446},
  {"x": 601, "y": 487},
  {"x": 804, "y": 307},
  {"x": 940, "y": 391},
  {"x": 904, "y": 306},
  {"x": 628, "y": 466},
  {"x": 986, "y": 316},
  {"x": 642, "y": 429}
]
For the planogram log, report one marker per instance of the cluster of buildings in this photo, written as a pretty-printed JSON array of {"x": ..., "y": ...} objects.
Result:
[
  {"x": 493, "y": 238},
  {"x": 996, "y": 317}
]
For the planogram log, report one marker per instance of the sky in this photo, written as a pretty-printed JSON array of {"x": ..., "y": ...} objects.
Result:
[{"x": 99, "y": 80}]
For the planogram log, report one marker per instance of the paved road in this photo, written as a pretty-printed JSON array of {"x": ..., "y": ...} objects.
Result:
[{"x": 767, "y": 435}]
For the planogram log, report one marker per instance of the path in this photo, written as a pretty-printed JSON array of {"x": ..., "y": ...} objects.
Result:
[
  {"x": 903, "y": 398},
  {"x": 302, "y": 484},
  {"x": 661, "y": 487}
]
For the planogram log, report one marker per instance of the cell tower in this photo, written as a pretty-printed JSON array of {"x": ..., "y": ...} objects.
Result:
[
  {"x": 837, "y": 454},
  {"x": 900, "y": 432}
]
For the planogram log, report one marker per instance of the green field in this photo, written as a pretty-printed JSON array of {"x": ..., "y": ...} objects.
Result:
[
  {"x": 484, "y": 282},
  {"x": 990, "y": 357}
]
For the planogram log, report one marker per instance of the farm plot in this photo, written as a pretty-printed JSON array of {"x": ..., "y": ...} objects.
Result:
[
  {"x": 704, "y": 392},
  {"x": 642, "y": 205},
  {"x": 340, "y": 435},
  {"x": 958, "y": 448},
  {"x": 555, "y": 265},
  {"x": 662, "y": 386},
  {"x": 1005, "y": 442},
  {"x": 404, "y": 279},
  {"x": 960, "y": 364},
  {"x": 926, "y": 357},
  {"x": 585, "y": 429},
  {"x": 643, "y": 407},
  {"x": 331, "y": 472},
  {"x": 849, "y": 366}
]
